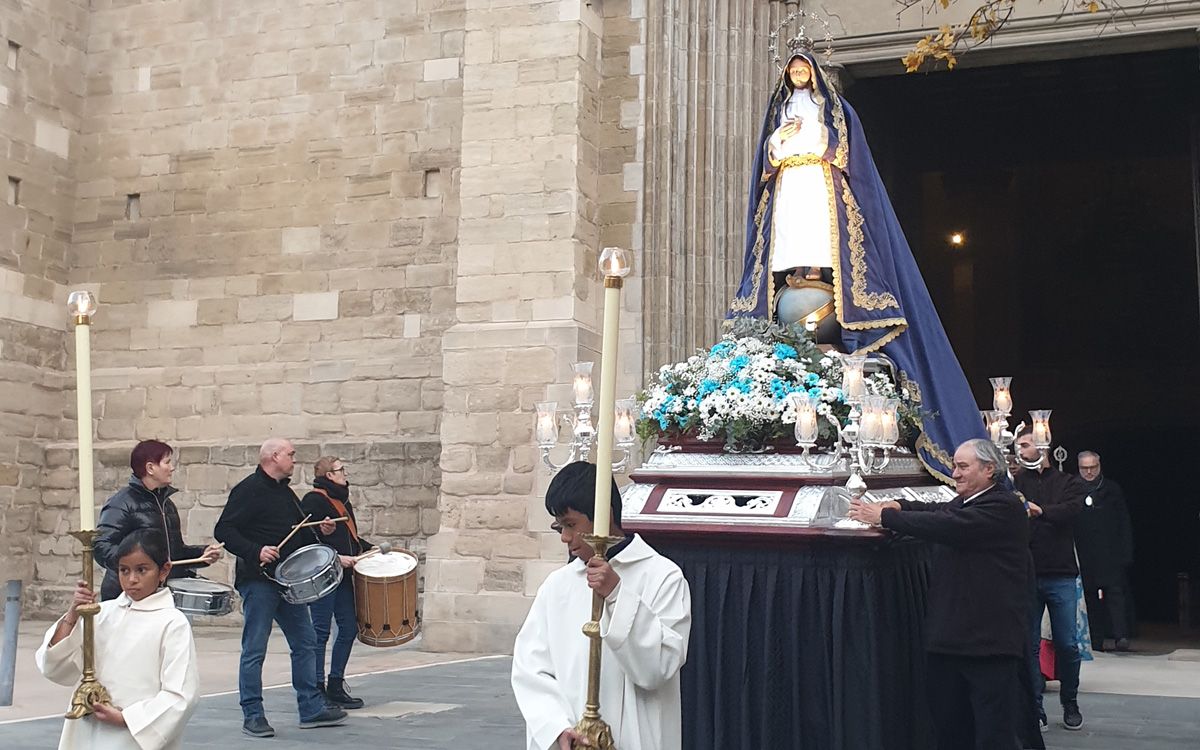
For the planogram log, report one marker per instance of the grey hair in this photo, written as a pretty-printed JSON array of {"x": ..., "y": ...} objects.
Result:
[
  {"x": 1086, "y": 454},
  {"x": 987, "y": 452},
  {"x": 272, "y": 445}
]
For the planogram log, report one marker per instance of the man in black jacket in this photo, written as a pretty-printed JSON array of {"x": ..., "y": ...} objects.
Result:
[
  {"x": 261, "y": 512},
  {"x": 330, "y": 498},
  {"x": 978, "y": 599},
  {"x": 145, "y": 503},
  {"x": 1054, "y": 500},
  {"x": 1104, "y": 539}
]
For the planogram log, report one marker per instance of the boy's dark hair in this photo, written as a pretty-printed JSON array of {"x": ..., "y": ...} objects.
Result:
[
  {"x": 150, "y": 541},
  {"x": 1026, "y": 430},
  {"x": 574, "y": 488}
]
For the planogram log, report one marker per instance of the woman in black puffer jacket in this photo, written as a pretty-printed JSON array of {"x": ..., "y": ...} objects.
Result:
[{"x": 145, "y": 503}]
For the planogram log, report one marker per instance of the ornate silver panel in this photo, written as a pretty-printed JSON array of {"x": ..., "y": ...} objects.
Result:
[{"x": 749, "y": 503}]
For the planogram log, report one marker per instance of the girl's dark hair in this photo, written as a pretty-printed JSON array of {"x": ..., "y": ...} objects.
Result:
[
  {"x": 574, "y": 488},
  {"x": 150, "y": 541}
]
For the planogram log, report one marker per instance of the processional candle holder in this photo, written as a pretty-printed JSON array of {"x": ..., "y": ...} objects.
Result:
[
  {"x": 614, "y": 265},
  {"x": 581, "y": 424},
  {"x": 995, "y": 421},
  {"x": 82, "y": 306},
  {"x": 864, "y": 443}
]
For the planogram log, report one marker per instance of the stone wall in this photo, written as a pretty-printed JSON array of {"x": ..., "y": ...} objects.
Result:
[
  {"x": 41, "y": 106},
  {"x": 268, "y": 213}
]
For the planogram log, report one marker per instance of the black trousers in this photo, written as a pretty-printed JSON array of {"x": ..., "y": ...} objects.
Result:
[
  {"x": 1107, "y": 617},
  {"x": 975, "y": 701}
]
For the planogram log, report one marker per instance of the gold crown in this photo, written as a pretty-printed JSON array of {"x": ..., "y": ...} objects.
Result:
[{"x": 800, "y": 42}]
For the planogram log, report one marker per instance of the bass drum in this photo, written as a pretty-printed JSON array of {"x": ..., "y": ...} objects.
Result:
[{"x": 385, "y": 598}]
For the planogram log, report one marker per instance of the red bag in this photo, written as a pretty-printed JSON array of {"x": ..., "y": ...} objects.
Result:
[{"x": 1046, "y": 659}]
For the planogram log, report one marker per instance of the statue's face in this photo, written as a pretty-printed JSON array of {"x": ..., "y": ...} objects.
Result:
[{"x": 800, "y": 73}]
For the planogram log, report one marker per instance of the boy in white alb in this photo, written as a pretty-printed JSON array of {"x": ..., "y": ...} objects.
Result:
[{"x": 644, "y": 632}]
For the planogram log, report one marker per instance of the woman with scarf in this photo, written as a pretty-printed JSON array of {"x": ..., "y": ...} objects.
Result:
[{"x": 330, "y": 498}]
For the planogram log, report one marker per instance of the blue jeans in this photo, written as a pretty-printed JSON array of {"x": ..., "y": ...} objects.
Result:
[
  {"x": 1057, "y": 593},
  {"x": 262, "y": 604},
  {"x": 339, "y": 606}
]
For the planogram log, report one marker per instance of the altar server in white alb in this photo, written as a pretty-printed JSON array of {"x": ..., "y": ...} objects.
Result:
[
  {"x": 145, "y": 656},
  {"x": 644, "y": 632}
]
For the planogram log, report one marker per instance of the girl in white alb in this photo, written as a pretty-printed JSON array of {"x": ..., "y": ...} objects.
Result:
[{"x": 145, "y": 657}]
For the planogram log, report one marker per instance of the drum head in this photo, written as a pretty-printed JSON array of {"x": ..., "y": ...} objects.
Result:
[
  {"x": 394, "y": 563},
  {"x": 305, "y": 563},
  {"x": 196, "y": 586}
]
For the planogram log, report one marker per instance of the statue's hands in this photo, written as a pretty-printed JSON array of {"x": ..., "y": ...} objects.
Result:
[{"x": 790, "y": 128}]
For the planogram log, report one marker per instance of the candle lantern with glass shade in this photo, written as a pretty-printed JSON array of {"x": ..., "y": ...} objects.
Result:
[{"x": 996, "y": 422}]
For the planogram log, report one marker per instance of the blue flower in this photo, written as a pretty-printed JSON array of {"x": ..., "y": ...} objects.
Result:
[
  {"x": 811, "y": 379},
  {"x": 737, "y": 363},
  {"x": 742, "y": 385},
  {"x": 720, "y": 349},
  {"x": 664, "y": 423},
  {"x": 814, "y": 392},
  {"x": 785, "y": 351},
  {"x": 707, "y": 386}
]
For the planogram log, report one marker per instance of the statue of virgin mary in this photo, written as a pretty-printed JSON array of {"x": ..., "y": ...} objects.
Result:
[{"x": 819, "y": 217}]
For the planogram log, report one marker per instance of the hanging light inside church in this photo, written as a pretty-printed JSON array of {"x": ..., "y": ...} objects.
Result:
[{"x": 958, "y": 239}]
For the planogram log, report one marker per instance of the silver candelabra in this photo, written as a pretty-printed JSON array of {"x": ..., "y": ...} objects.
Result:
[{"x": 582, "y": 425}]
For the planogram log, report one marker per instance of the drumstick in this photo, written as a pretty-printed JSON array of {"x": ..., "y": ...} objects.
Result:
[
  {"x": 383, "y": 547},
  {"x": 318, "y": 523},
  {"x": 194, "y": 560},
  {"x": 289, "y": 536}
]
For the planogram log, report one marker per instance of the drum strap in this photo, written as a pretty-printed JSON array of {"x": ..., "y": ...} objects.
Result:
[{"x": 340, "y": 507}]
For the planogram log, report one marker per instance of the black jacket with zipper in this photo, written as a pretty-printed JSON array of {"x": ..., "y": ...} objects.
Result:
[
  {"x": 136, "y": 507},
  {"x": 261, "y": 511},
  {"x": 317, "y": 503}
]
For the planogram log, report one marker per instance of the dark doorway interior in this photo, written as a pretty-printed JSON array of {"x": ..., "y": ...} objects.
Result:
[{"x": 1074, "y": 184}]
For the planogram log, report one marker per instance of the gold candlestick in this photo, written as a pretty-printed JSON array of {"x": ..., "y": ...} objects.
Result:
[
  {"x": 614, "y": 265},
  {"x": 590, "y": 725},
  {"x": 90, "y": 691}
]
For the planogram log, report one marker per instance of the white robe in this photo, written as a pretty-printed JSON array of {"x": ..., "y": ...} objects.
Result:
[
  {"x": 644, "y": 631},
  {"x": 146, "y": 658},
  {"x": 801, "y": 232}
]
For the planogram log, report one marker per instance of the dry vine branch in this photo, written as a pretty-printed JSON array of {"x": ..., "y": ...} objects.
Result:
[{"x": 985, "y": 22}]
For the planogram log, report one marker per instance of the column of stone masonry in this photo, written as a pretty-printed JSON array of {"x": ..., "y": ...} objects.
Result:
[{"x": 527, "y": 307}]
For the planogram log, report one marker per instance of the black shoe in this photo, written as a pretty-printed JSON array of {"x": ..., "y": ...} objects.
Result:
[
  {"x": 258, "y": 727},
  {"x": 325, "y": 696},
  {"x": 339, "y": 696},
  {"x": 330, "y": 717},
  {"x": 1122, "y": 644},
  {"x": 1072, "y": 719}
]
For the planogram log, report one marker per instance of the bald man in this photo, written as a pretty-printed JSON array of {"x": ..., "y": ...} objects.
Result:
[{"x": 261, "y": 511}]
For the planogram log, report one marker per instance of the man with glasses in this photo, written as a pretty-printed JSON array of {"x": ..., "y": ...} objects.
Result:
[
  {"x": 262, "y": 510},
  {"x": 1104, "y": 540},
  {"x": 330, "y": 498}
]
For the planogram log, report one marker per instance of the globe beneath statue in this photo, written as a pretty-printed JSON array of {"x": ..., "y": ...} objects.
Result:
[{"x": 796, "y": 303}]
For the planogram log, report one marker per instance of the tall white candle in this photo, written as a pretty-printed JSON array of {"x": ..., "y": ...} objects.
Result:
[
  {"x": 608, "y": 391},
  {"x": 83, "y": 420}
]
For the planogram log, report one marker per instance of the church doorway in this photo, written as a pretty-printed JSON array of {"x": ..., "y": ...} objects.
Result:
[{"x": 1073, "y": 186}]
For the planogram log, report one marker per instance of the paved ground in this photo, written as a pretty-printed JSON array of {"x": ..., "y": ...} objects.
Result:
[{"x": 421, "y": 701}]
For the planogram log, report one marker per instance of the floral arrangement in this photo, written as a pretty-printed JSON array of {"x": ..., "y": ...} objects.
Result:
[{"x": 738, "y": 390}]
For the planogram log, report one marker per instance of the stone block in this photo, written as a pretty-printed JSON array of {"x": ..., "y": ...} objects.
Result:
[
  {"x": 493, "y": 514},
  {"x": 458, "y": 576},
  {"x": 441, "y": 69},
  {"x": 463, "y": 484},
  {"x": 297, "y": 240},
  {"x": 315, "y": 306}
]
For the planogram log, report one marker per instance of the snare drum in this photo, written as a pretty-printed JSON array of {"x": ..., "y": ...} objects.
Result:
[
  {"x": 309, "y": 573},
  {"x": 385, "y": 598},
  {"x": 200, "y": 596}
]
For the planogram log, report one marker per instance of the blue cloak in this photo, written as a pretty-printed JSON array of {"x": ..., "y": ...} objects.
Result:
[{"x": 880, "y": 298}]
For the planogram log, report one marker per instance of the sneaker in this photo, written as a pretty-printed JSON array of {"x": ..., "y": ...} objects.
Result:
[
  {"x": 330, "y": 717},
  {"x": 1122, "y": 644},
  {"x": 258, "y": 727},
  {"x": 1072, "y": 719}
]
